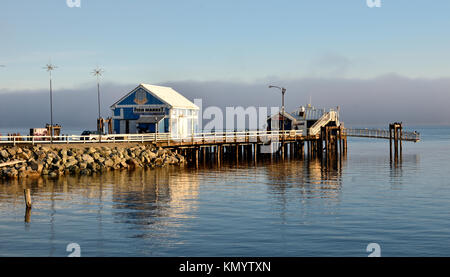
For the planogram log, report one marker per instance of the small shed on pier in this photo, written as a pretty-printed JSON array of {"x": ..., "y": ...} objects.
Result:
[
  {"x": 302, "y": 118},
  {"x": 155, "y": 109}
]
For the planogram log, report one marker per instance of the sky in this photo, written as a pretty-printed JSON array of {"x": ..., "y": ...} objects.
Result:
[{"x": 337, "y": 51}]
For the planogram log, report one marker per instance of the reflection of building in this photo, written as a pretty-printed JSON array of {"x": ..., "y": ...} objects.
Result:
[
  {"x": 146, "y": 196},
  {"x": 155, "y": 109}
]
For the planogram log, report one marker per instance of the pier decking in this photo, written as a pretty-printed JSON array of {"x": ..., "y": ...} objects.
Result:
[
  {"x": 331, "y": 140},
  {"x": 165, "y": 140}
]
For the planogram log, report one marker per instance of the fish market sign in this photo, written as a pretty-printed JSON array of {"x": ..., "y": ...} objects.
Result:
[{"x": 73, "y": 3}]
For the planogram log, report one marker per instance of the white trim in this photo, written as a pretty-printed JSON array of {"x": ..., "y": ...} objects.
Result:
[
  {"x": 148, "y": 90},
  {"x": 150, "y": 106}
]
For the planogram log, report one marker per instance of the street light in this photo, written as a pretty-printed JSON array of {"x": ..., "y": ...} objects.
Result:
[
  {"x": 49, "y": 67},
  {"x": 98, "y": 73},
  {"x": 283, "y": 91}
]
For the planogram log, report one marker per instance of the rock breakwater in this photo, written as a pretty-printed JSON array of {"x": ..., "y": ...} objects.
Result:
[{"x": 54, "y": 161}]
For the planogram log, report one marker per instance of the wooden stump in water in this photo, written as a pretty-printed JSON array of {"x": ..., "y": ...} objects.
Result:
[{"x": 27, "y": 194}]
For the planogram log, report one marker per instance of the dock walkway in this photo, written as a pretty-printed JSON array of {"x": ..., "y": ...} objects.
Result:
[{"x": 165, "y": 139}]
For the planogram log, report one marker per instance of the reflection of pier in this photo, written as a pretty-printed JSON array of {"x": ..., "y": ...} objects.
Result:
[{"x": 148, "y": 195}]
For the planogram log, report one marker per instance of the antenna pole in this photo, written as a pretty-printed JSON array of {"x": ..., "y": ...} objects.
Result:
[
  {"x": 49, "y": 67},
  {"x": 98, "y": 73},
  {"x": 51, "y": 108}
]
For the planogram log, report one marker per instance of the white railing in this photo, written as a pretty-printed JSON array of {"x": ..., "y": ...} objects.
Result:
[
  {"x": 197, "y": 138},
  {"x": 329, "y": 116},
  {"x": 382, "y": 134}
]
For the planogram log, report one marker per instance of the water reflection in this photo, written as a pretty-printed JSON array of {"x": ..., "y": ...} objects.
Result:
[
  {"x": 313, "y": 178},
  {"x": 397, "y": 168},
  {"x": 147, "y": 196},
  {"x": 150, "y": 212}
]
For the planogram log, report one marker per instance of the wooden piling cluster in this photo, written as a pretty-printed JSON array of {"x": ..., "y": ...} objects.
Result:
[
  {"x": 395, "y": 139},
  {"x": 332, "y": 141}
]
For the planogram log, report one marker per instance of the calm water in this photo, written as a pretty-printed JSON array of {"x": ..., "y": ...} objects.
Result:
[{"x": 292, "y": 208}]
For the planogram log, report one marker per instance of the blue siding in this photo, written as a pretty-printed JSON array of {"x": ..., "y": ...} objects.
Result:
[
  {"x": 151, "y": 100},
  {"x": 116, "y": 126},
  {"x": 129, "y": 114}
]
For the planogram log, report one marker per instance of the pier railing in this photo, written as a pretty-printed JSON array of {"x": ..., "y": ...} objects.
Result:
[
  {"x": 381, "y": 134},
  {"x": 329, "y": 116},
  {"x": 197, "y": 138}
]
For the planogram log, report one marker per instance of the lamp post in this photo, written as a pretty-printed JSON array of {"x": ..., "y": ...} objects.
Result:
[
  {"x": 283, "y": 91},
  {"x": 98, "y": 73},
  {"x": 49, "y": 67}
]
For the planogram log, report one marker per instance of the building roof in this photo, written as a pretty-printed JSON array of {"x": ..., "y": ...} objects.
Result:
[
  {"x": 165, "y": 94},
  {"x": 310, "y": 113},
  {"x": 286, "y": 115}
]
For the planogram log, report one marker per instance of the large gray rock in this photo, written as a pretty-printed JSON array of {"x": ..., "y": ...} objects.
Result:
[
  {"x": 159, "y": 162},
  {"x": 71, "y": 162},
  {"x": 4, "y": 154},
  {"x": 12, "y": 151},
  {"x": 23, "y": 156},
  {"x": 87, "y": 158},
  {"x": 109, "y": 163},
  {"x": 36, "y": 166},
  {"x": 91, "y": 150}
]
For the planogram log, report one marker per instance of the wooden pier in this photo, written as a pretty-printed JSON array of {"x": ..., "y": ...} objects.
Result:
[{"x": 330, "y": 142}]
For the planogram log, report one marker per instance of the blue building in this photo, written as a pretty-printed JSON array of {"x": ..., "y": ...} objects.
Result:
[{"x": 155, "y": 109}]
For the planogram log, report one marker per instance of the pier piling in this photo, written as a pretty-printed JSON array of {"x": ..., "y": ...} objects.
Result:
[{"x": 27, "y": 195}]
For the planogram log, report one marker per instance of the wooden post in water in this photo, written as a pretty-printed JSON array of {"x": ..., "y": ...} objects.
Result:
[
  {"x": 345, "y": 144},
  {"x": 196, "y": 150},
  {"x": 218, "y": 152},
  {"x": 336, "y": 141},
  {"x": 390, "y": 140},
  {"x": 27, "y": 195},
  {"x": 401, "y": 135},
  {"x": 395, "y": 142}
]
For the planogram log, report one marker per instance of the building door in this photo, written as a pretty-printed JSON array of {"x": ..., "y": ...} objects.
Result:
[
  {"x": 122, "y": 126},
  {"x": 132, "y": 127},
  {"x": 182, "y": 127},
  {"x": 127, "y": 126}
]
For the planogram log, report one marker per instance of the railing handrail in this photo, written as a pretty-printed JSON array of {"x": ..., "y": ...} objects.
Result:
[
  {"x": 314, "y": 129},
  {"x": 379, "y": 133},
  {"x": 147, "y": 137}
]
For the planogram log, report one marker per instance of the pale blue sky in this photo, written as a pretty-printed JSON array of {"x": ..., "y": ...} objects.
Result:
[{"x": 239, "y": 40}]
